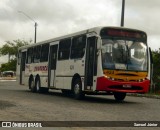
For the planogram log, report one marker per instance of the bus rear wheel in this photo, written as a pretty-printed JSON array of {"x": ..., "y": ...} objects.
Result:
[
  {"x": 32, "y": 86},
  {"x": 40, "y": 89},
  {"x": 119, "y": 96},
  {"x": 77, "y": 89}
]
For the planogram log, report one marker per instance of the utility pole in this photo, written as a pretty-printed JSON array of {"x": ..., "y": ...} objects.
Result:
[
  {"x": 35, "y": 25},
  {"x": 35, "y": 36},
  {"x": 122, "y": 14}
]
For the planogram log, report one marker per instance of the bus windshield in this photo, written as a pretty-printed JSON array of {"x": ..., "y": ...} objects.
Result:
[{"x": 122, "y": 54}]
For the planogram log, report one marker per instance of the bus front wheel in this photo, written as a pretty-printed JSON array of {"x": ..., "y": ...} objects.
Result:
[
  {"x": 119, "y": 96},
  {"x": 77, "y": 89}
]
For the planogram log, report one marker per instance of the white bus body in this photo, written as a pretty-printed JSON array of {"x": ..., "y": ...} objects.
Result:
[{"x": 74, "y": 62}]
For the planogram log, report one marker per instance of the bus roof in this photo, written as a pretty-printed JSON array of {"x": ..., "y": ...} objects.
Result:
[{"x": 95, "y": 29}]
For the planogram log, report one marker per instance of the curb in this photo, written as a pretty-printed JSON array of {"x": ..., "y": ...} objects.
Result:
[{"x": 8, "y": 78}]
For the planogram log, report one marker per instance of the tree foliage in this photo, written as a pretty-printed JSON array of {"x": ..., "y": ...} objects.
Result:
[
  {"x": 156, "y": 69},
  {"x": 11, "y": 48},
  {"x": 9, "y": 66}
]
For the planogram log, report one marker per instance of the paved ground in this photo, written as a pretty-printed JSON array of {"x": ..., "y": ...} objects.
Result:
[{"x": 17, "y": 103}]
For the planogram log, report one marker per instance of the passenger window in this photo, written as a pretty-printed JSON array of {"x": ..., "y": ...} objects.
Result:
[
  {"x": 37, "y": 54},
  {"x": 64, "y": 49},
  {"x": 78, "y": 47},
  {"x": 30, "y": 55},
  {"x": 44, "y": 53}
]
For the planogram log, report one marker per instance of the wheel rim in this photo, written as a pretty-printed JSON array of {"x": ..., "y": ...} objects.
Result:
[
  {"x": 76, "y": 89},
  {"x": 37, "y": 85}
]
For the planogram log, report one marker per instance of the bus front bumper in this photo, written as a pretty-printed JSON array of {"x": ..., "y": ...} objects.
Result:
[{"x": 104, "y": 84}]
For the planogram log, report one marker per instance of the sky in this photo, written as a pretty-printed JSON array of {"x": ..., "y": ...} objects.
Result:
[{"x": 60, "y": 17}]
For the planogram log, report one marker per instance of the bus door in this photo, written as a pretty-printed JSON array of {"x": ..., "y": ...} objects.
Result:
[
  {"x": 22, "y": 67},
  {"x": 52, "y": 65},
  {"x": 90, "y": 62}
]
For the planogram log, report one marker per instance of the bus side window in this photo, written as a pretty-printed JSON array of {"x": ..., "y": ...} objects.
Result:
[
  {"x": 78, "y": 47},
  {"x": 30, "y": 55},
  {"x": 37, "y": 52},
  {"x": 64, "y": 49},
  {"x": 44, "y": 53}
]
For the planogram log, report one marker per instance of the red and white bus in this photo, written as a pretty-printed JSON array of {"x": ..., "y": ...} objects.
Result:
[{"x": 100, "y": 60}]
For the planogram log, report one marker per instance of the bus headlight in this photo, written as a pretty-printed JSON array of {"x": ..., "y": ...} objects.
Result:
[
  {"x": 141, "y": 80},
  {"x": 110, "y": 78}
]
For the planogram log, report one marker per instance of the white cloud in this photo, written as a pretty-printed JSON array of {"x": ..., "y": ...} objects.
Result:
[
  {"x": 153, "y": 42},
  {"x": 54, "y": 17},
  {"x": 60, "y": 17}
]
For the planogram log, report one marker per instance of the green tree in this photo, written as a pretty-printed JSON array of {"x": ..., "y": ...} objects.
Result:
[
  {"x": 156, "y": 70},
  {"x": 11, "y": 48},
  {"x": 9, "y": 66}
]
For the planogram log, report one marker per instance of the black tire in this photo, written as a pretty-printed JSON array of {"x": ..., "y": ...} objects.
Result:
[
  {"x": 119, "y": 96},
  {"x": 32, "y": 85},
  {"x": 77, "y": 89},
  {"x": 38, "y": 87}
]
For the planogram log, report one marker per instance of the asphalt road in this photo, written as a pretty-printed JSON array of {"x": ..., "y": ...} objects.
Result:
[{"x": 17, "y": 103}]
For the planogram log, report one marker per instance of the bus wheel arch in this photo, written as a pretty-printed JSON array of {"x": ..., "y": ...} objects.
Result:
[
  {"x": 76, "y": 76},
  {"x": 77, "y": 87}
]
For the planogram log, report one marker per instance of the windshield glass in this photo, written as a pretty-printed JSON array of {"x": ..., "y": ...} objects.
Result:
[{"x": 124, "y": 55}]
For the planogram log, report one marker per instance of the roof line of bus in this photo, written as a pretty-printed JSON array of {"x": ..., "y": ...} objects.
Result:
[{"x": 90, "y": 30}]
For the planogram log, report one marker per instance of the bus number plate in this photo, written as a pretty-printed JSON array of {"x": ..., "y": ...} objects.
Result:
[{"x": 127, "y": 86}]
